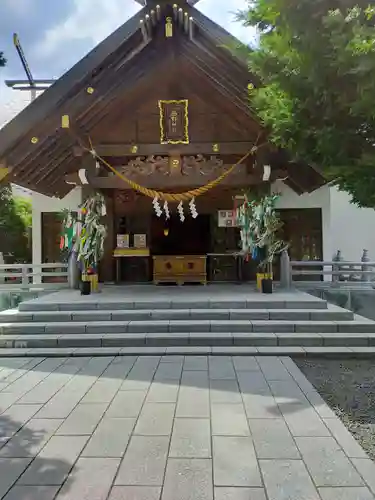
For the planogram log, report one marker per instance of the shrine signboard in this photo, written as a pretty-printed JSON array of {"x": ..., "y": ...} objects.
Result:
[
  {"x": 227, "y": 218},
  {"x": 174, "y": 122}
]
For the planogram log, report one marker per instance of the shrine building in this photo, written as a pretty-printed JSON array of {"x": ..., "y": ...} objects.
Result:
[{"x": 163, "y": 101}]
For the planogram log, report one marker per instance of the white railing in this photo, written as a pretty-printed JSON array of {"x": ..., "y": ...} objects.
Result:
[
  {"x": 29, "y": 276},
  {"x": 339, "y": 273},
  {"x": 334, "y": 273}
]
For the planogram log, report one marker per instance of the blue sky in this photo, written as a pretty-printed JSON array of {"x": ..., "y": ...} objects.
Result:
[{"x": 55, "y": 34}]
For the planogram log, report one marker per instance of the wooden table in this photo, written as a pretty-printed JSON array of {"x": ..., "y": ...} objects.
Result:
[{"x": 120, "y": 253}]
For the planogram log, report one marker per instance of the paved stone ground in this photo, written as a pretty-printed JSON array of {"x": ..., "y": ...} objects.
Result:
[{"x": 172, "y": 428}]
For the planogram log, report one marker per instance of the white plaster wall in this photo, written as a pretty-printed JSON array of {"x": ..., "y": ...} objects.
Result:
[
  {"x": 41, "y": 203},
  {"x": 352, "y": 228},
  {"x": 345, "y": 226}
]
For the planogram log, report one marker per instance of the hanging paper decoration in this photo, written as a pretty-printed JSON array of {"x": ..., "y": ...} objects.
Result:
[
  {"x": 166, "y": 210},
  {"x": 266, "y": 173},
  {"x": 82, "y": 176},
  {"x": 180, "y": 210},
  {"x": 174, "y": 122},
  {"x": 157, "y": 208},
  {"x": 193, "y": 208}
]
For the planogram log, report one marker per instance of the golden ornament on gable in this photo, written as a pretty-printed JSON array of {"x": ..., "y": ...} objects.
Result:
[
  {"x": 4, "y": 171},
  {"x": 65, "y": 121},
  {"x": 168, "y": 27}
]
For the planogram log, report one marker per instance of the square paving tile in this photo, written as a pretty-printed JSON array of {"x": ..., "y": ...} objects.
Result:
[
  {"x": 110, "y": 438},
  {"x": 199, "y": 409},
  {"x": 261, "y": 406},
  {"x": 90, "y": 479},
  {"x": 345, "y": 494},
  {"x": 366, "y": 467},
  {"x": 83, "y": 420},
  {"x": 225, "y": 391},
  {"x": 327, "y": 463},
  {"x": 245, "y": 363},
  {"x": 229, "y": 420},
  {"x": 303, "y": 420},
  {"x": 32, "y": 493},
  {"x": 155, "y": 419},
  {"x": 287, "y": 480},
  {"x": 239, "y": 494},
  {"x": 234, "y": 461},
  {"x": 163, "y": 392},
  {"x": 52, "y": 465},
  {"x": 188, "y": 479},
  {"x": 191, "y": 438},
  {"x": 195, "y": 363},
  {"x": 30, "y": 439},
  {"x": 144, "y": 461},
  {"x": 272, "y": 439},
  {"x": 135, "y": 493},
  {"x": 10, "y": 470},
  {"x": 126, "y": 404}
]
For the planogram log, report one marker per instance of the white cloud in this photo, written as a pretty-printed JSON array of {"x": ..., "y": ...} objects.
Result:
[
  {"x": 18, "y": 7},
  {"x": 12, "y": 102},
  {"x": 92, "y": 19},
  {"x": 220, "y": 12}
]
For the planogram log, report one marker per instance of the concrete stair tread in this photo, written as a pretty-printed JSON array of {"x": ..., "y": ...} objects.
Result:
[
  {"x": 191, "y": 303},
  {"x": 205, "y": 339},
  {"x": 148, "y": 326},
  {"x": 355, "y": 352},
  {"x": 331, "y": 313}
]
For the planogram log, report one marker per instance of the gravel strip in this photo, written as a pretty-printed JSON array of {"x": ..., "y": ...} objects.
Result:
[{"x": 348, "y": 387}]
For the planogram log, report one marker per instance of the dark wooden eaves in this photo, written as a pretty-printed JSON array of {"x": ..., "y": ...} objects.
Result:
[{"x": 45, "y": 104}]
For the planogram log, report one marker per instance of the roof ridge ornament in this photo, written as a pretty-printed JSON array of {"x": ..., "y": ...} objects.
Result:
[{"x": 148, "y": 3}]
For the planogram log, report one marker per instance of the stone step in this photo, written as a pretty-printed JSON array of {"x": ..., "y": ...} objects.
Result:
[
  {"x": 333, "y": 313},
  {"x": 261, "y": 302},
  {"x": 327, "y": 352},
  {"x": 204, "y": 339},
  {"x": 178, "y": 326}
]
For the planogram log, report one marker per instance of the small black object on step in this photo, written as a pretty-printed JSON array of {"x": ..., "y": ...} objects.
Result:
[
  {"x": 267, "y": 285},
  {"x": 85, "y": 287}
]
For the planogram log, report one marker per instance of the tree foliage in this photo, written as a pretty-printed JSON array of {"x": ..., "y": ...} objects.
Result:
[
  {"x": 316, "y": 65},
  {"x": 15, "y": 227},
  {"x": 2, "y": 59}
]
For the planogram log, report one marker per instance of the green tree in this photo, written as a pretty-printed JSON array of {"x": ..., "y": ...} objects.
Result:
[
  {"x": 15, "y": 227},
  {"x": 315, "y": 65},
  {"x": 2, "y": 59}
]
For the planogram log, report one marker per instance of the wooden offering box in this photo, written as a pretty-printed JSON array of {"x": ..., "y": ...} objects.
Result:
[{"x": 180, "y": 269}]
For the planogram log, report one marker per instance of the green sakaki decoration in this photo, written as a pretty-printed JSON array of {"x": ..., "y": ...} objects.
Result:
[
  {"x": 84, "y": 234},
  {"x": 259, "y": 227}
]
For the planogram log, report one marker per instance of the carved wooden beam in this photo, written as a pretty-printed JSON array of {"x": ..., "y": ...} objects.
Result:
[{"x": 226, "y": 148}]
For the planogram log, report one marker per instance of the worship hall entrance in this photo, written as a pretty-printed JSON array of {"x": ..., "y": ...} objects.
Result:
[
  {"x": 174, "y": 237},
  {"x": 179, "y": 249}
]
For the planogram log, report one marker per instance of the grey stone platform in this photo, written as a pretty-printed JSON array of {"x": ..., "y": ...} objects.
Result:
[
  {"x": 150, "y": 319},
  {"x": 172, "y": 427}
]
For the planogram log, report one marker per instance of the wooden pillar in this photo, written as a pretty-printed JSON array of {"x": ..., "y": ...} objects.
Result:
[{"x": 107, "y": 272}]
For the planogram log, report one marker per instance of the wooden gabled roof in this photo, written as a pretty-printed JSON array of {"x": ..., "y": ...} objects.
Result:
[{"x": 125, "y": 63}]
